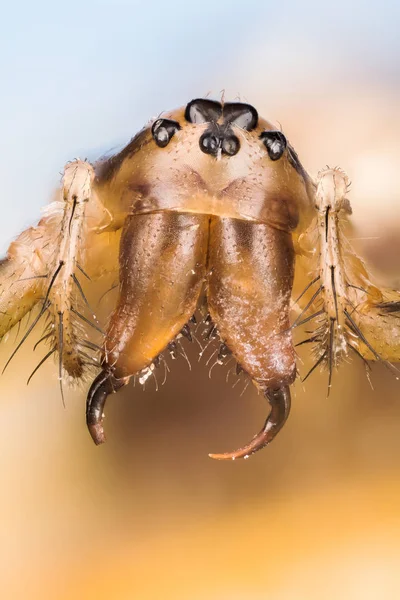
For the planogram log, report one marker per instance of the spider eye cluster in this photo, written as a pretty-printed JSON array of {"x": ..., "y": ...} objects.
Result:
[
  {"x": 222, "y": 119},
  {"x": 219, "y": 138}
]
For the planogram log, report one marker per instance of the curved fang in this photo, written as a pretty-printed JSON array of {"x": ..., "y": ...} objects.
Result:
[
  {"x": 279, "y": 400},
  {"x": 104, "y": 384}
]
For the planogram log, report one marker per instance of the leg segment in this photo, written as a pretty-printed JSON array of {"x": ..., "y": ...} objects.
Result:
[
  {"x": 248, "y": 298},
  {"x": 162, "y": 270},
  {"x": 22, "y": 277}
]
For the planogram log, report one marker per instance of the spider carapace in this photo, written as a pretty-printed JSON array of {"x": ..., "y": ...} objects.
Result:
[{"x": 212, "y": 203}]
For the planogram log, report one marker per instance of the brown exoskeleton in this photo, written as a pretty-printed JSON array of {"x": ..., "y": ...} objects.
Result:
[{"x": 210, "y": 203}]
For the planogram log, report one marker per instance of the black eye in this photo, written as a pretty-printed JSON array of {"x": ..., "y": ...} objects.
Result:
[
  {"x": 203, "y": 111},
  {"x": 242, "y": 115},
  {"x": 275, "y": 143},
  {"x": 209, "y": 143},
  {"x": 230, "y": 145},
  {"x": 163, "y": 130}
]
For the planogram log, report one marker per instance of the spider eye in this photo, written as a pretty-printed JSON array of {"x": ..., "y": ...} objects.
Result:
[
  {"x": 203, "y": 111},
  {"x": 230, "y": 145},
  {"x": 163, "y": 130},
  {"x": 275, "y": 143},
  {"x": 209, "y": 143},
  {"x": 242, "y": 115}
]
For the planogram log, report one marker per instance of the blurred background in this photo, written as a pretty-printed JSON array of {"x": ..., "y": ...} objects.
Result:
[{"x": 149, "y": 515}]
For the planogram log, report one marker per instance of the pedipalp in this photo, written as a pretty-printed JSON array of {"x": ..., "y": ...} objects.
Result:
[
  {"x": 57, "y": 246},
  {"x": 349, "y": 317}
]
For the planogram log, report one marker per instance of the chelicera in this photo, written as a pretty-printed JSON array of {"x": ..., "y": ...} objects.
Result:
[{"x": 211, "y": 204}]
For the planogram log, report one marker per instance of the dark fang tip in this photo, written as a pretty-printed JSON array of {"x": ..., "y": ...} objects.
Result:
[
  {"x": 101, "y": 388},
  {"x": 279, "y": 400},
  {"x": 275, "y": 143},
  {"x": 97, "y": 433}
]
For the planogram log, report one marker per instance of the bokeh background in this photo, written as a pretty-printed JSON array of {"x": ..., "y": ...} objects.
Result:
[{"x": 149, "y": 515}]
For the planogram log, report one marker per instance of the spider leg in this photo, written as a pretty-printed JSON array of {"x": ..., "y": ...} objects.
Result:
[
  {"x": 22, "y": 280},
  {"x": 355, "y": 314},
  {"x": 46, "y": 264},
  {"x": 376, "y": 331}
]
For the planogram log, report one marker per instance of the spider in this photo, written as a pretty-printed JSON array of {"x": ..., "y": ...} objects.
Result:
[{"x": 209, "y": 205}]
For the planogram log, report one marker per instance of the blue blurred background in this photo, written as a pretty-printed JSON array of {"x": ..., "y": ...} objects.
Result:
[{"x": 149, "y": 515}]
